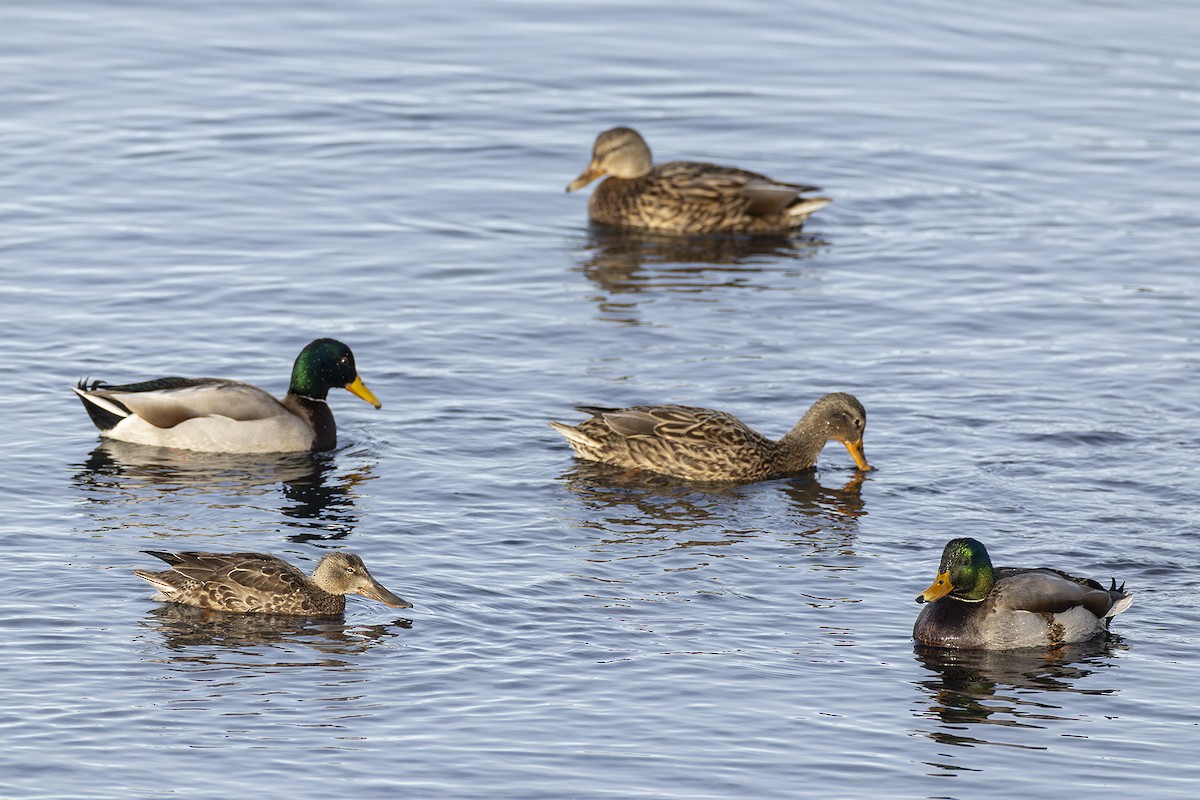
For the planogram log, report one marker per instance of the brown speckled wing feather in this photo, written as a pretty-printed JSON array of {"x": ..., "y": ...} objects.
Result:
[
  {"x": 704, "y": 181},
  {"x": 686, "y": 441},
  {"x": 707, "y": 184},
  {"x": 258, "y": 572},
  {"x": 269, "y": 578},
  {"x": 695, "y": 427}
]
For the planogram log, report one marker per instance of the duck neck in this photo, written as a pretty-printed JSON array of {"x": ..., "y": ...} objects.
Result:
[
  {"x": 614, "y": 189},
  {"x": 319, "y": 417},
  {"x": 976, "y": 585},
  {"x": 800, "y": 448},
  {"x": 327, "y": 604}
]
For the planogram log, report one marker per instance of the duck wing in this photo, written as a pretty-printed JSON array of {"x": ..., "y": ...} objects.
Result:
[
  {"x": 688, "y": 425},
  {"x": 259, "y": 573},
  {"x": 1052, "y": 591},
  {"x": 712, "y": 184},
  {"x": 166, "y": 402}
]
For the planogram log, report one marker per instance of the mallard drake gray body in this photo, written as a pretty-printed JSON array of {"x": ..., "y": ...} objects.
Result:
[
  {"x": 687, "y": 197},
  {"x": 977, "y": 607},
  {"x": 702, "y": 444},
  {"x": 263, "y": 584},
  {"x": 226, "y": 416}
]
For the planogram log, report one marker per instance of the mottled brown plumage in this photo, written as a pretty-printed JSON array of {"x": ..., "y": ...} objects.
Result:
[
  {"x": 702, "y": 444},
  {"x": 975, "y": 606},
  {"x": 261, "y": 583},
  {"x": 687, "y": 197}
]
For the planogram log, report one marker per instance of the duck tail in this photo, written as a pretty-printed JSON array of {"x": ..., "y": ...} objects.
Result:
[
  {"x": 1121, "y": 599},
  {"x": 101, "y": 407},
  {"x": 575, "y": 437},
  {"x": 162, "y": 581},
  {"x": 804, "y": 207}
]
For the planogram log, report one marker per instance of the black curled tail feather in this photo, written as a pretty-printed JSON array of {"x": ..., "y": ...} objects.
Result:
[
  {"x": 1120, "y": 600},
  {"x": 102, "y": 418}
]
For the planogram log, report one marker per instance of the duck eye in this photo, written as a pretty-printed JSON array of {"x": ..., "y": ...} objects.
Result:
[{"x": 350, "y": 570}]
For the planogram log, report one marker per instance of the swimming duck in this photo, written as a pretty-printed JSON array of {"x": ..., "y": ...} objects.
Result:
[
  {"x": 225, "y": 416},
  {"x": 687, "y": 197},
  {"x": 263, "y": 584},
  {"x": 975, "y": 606},
  {"x": 702, "y": 444}
]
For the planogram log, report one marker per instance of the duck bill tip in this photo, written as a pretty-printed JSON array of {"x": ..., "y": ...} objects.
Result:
[
  {"x": 359, "y": 389},
  {"x": 938, "y": 589},
  {"x": 587, "y": 176},
  {"x": 380, "y": 594},
  {"x": 856, "y": 452}
]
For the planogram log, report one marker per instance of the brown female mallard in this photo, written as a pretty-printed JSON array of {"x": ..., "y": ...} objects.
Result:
[
  {"x": 217, "y": 415},
  {"x": 701, "y": 444},
  {"x": 975, "y": 606},
  {"x": 264, "y": 584},
  {"x": 687, "y": 197}
]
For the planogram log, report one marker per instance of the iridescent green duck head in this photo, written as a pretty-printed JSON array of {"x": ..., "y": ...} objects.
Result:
[
  {"x": 619, "y": 152},
  {"x": 324, "y": 364},
  {"x": 345, "y": 573},
  {"x": 965, "y": 573}
]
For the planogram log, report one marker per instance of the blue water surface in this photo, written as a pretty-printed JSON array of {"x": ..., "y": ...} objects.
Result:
[{"x": 1006, "y": 279}]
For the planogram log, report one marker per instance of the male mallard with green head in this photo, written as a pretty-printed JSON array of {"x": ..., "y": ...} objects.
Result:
[
  {"x": 225, "y": 416},
  {"x": 702, "y": 444},
  {"x": 975, "y": 606},
  {"x": 687, "y": 197}
]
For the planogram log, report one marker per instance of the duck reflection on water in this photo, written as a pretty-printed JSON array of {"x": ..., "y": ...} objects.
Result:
[
  {"x": 636, "y": 508},
  {"x": 967, "y": 690},
  {"x": 627, "y": 263},
  {"x": 320, "y": 494},
  {"x": 114, "y": 466},
  {"x": 197, "y": 635},
  {"x": 322, "y": 501}
]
